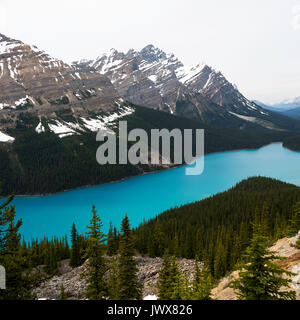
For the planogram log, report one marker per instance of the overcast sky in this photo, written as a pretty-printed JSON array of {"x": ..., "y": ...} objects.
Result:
[{"x": 255, "y": 43}]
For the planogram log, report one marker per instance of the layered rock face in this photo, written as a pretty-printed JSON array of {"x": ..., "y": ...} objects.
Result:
[
  {"x": 33, "y": 81},
  {"x": 154, "y": 79}
]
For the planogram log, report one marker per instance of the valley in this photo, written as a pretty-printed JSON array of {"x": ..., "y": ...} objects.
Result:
[{"x": 50, "y": 113}]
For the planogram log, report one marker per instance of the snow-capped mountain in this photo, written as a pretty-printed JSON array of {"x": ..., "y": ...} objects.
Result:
[
  {"x": 32, "y": 81},
  {"x": 154, "y": 79},
  {"x": 92, "y": 92}
]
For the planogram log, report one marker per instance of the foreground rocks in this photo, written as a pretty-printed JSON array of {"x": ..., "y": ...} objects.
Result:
[
  {"x": 148, "y": 274},
  {"x": 285, "y": 248},
  {"x": 75, "y": 284}
]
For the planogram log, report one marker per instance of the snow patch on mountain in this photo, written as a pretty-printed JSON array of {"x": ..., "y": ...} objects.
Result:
[
  {"x": 40, "y": 128},
  {"x": 187, "y": 75},
  {"x": 5, "y": 138},
  {"x": 247, "y": 118},
  {"x": 61, "y": 129}
]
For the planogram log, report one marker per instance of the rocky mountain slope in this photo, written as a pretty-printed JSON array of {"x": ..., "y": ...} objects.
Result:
[
  {"x": 149, "y": 269},
  {"x": 90, "y": 91},
  {"x": 154, "y": 79},
  {"x": 285, "y": 248},
  {"x": 32, "y": 82},
  {"x": 75, "y": 285}
]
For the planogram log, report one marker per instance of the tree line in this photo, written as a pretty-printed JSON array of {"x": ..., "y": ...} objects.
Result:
[
  {"x": 218, "y": 229},
  {"x": 112, "y": 271}
]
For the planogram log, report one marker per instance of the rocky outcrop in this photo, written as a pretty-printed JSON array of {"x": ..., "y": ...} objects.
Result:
[
  {"x": 75, "y": 284},
  {"x": 155, "y": 79},
  {"x": 284, "y": 248},
  {"x": 148, "y": 274},
  {"x": 32, "y": 81}
]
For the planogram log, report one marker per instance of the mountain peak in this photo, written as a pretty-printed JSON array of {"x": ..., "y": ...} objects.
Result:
[
  {"x": 152, "y": 53},
  {"x": 149, "y": 47}
]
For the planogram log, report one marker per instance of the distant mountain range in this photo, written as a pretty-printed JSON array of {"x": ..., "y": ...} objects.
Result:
[
  {"x": 288, "y": 107},
  {"x": 158, "y": 80},
  {"x": 90, "y": 93}
]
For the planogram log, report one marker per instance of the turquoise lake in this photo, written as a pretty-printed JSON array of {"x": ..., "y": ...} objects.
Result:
[{"x": 145, "y": 196}]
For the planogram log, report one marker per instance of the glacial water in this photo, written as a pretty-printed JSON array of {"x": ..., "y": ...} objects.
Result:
[{"x": 145, "y": 196}]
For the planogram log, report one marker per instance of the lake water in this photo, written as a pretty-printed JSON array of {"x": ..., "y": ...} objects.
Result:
[{"x": 146, "y": 196}]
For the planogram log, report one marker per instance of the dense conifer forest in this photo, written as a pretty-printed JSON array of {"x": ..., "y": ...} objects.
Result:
[
  {"x": 218, "y": 229},
  {"x": 219, "y": 232},
  {"x": 292, "y": 143},
  {"x": 43, "y": 163}
]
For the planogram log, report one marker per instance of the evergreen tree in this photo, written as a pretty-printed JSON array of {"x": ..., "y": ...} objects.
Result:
[
  {"x": 112, "y": 241},
  {"x": 177, "y": 286},
  {"x": 159, "y": 239},
  {"x": 75, "y": 260},
  {"x": 202, "y": 283},
  {"x": 298, "y": 243},
  {"x": 265, "y": 217},
  {"x": 18, "y": 284},
  {"x": 96, "y": 284},
  {"x": 112, "y": 281},
  {"x": 261, "y": 278},
  {"x": 7, "y": 214},
  {"x": 176, "y": 248},
  {"x": 50, "y": 261},
  {"x": 129, "y": 287},
  {"x": 220, "y": 260},
  {"x": 170, "y": 284},
  {"x": 294, "y": 225},
  {"x": 62, "y": 295}
]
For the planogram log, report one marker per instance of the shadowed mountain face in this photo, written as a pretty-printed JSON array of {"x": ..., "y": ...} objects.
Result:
[
  {"x": 32, "y": 81},
  {"x": 154, "y": 79},
  {"x": 88, "y": 92}
]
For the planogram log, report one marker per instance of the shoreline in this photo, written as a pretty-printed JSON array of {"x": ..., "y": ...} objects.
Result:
[{"x": 138, "y": 175}]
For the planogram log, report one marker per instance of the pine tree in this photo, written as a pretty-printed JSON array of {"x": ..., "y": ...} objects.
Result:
[
  {"x": 158, "y": 240},
  {"x": 177, "y": 286},
  {"x": 7, "y": 214},
  {"x": 298, "y": 243},
  {"x": 261, "y": 278},
  {"x": 220, "y": 259},
  {"x": 265, "y": 217},
  {"x": 170, "y": 283},
  {"x": 202, "y": 284},
  {"x": 75, "y": 260},
  {"x": 112, "y": 281},
  {"x": 129, "y": 287},
  {"x": 176, "y": 249},
  {"x": 18, "y": 284},
  {"x": 165, "y": 278},
  {"x": 112, "y": 241},
  {"x": 96, "y": 284},
  {"x": 62, "y": 295},
  {"x": 294, "y": 225},
  {"x": 51, "y": 261}
]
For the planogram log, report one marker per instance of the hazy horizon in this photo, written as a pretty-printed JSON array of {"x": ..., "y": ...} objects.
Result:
[{"x": 255, "y": 44}]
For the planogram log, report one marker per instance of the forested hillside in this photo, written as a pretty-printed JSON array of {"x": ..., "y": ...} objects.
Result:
[
  {"x": 218, "y": 229},
  {"x": 41, "y": 163},
  {"x": 292, "y": 143}
]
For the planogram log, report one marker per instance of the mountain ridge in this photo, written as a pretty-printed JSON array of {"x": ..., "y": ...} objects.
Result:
[{"x": 155, "y": 79}]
